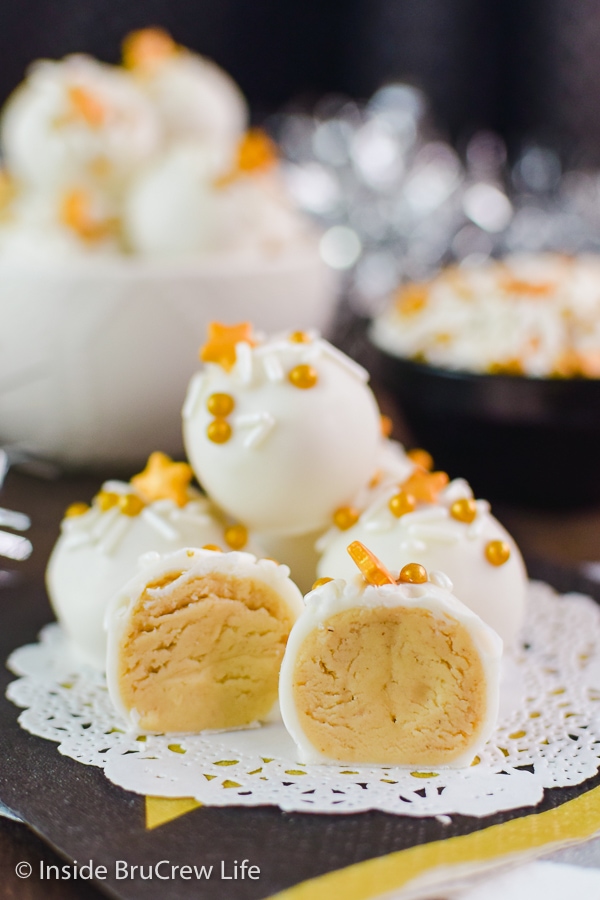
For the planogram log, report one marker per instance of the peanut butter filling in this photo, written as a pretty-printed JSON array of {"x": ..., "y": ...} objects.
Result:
[
  {"x": 203, "y": 654},
  {"x": 390, "y": 685}
]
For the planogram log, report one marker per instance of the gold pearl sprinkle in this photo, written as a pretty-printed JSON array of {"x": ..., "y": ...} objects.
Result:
[
  {"x": 413, "y": 573},
  {"x": 319, "y": 582},
  {"x": 464, "y": 510},
  {"x": 402, "y": 503},
  {"x": 345, "y": 517},
  {"x": 131, "y": 504},
  {"x": 219, "y": 431},
  {"x": 106, "y": 500},
  {"x": 497, "y": 552},
  {"x": 76, "y": 509},
  {"x": 372, "y": 569},
  {"x": 303, "y": 377},
  {"x": 421, "y": 458},
  {"x": 214, "y": 547},
  {"x": 300, "y": 337},
  {"x": 220, "y": 405},
  {"x": 236, "y": 536}
]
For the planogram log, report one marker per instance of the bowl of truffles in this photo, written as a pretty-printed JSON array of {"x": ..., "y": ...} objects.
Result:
[
  {"x": 136, "y": 206},
  {"x": 496, "y": 367}
]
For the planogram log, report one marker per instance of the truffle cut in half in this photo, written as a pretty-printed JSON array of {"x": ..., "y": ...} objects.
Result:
[
  {"x": 196, "y": 641},
  {"x": 390, "y": 673}
]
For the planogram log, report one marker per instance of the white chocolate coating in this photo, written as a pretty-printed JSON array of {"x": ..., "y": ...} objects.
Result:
[
  {"x": 36, "y": 228},
  {"x": 338, "y": 596},
  {"x": 98, "y": 552},
  {"x": 295, "y": 455},
  {"x": 300, "y": 551},
  {"x": 48, "y": 141},
  {"x": 175, "y": 207},
  {"x": 197, "y": 100},
  {"x": 192, "y": 564},
  {"x": 170, "y": 209},
  {"x": 431, "y": 537}
]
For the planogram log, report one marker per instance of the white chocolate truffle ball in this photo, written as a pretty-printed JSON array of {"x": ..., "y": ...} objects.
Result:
[
  {"x": 432, "y": 536},
  {"x": 194, "y": 97},
  {"x": 77, "y": 117},
  {"x": 255, "y": 214},
  {"x": 282, "y": 433},
  {"x": 399, "y": 674},
  {"x": 300, "y": 551},
  {"x": 170, "y": 209},
  {"x": 99, "y": 548},
  {"x": 195, "y": 641},
  {"x": 54, "y": 224}
]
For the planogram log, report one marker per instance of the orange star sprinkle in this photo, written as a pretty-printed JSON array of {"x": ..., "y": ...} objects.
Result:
[
  {"x": 256, "y": 151},
  {"x": 425, "y": 486},
  {"x": 147, "y": 48},
  {"x": 531, "y": 288},
  {"x": 85, "y": 105},
  {"x": 372, "y": 569},
  {"x": 421, "y": 458},
  {"x": 412, "y": 298},
  {"x": 76, "y": 213},
  {"x": 163, "y": 479},
  {"x": 222, "y": 340}
]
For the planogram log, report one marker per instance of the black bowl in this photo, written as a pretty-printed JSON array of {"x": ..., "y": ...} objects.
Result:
[{"x": 527, "y": 441}]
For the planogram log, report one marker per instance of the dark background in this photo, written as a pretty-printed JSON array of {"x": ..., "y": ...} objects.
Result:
[{"x": 527, "y": 68}]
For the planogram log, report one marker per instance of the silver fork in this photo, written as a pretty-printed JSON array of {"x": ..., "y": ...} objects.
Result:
[{"x": 12, "y": 546}]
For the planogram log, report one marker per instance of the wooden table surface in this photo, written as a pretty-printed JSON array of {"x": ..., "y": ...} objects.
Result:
[{"x": 562, "y": 538}]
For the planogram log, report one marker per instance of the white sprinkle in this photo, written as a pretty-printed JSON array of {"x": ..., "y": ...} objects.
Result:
[
  {"x": 77, "y": 539},
  {"x": 458, "y": 489},
  {"x": 112, "y": 537},
  {"x": 412, "y": 545},
  {"x": 116, "y": 487},
  {"x": 81, "y": 524},
  {"x": 378, "y": 507},
  {"x": 431, "y": 533},
  {"x": 244, "y": 364},
  {"x": 191, "y": 517},
  {"x": 444, "y": 820},
  {"x": 352, "y": 367},
  {"x": 427, "y": 514},
  {"x": 311, "y": 353},
  {"x": 325, "y": 541},
  {"x": 104, "y": 522},
  {"x": 275, "y": 347},
  {"x": 441, "y": 580},
  {"x": 475, "y": 529},
  {"x": 273, "y": 367},
  {"x": 159, "y": 524},
  {"x": 194, "y": 395},
  {"x": 259, "y": 426},
  {"x": 381, "y": 524}
]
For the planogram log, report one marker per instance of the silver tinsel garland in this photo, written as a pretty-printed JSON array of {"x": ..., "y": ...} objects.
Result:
[{"x": 397, "y": 202}]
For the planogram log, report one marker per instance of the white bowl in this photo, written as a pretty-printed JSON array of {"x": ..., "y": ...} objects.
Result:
[{"x": 95, "y": 356}]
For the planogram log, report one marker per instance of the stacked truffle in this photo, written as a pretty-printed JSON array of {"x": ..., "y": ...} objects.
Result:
[
  {"x": 286, "y": 438},
  {"x": 151, "y": 157}
]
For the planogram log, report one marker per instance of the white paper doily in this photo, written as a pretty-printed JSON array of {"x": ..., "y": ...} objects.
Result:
[{"x": 548, "y": 733}]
